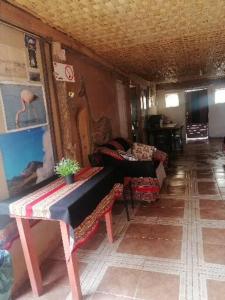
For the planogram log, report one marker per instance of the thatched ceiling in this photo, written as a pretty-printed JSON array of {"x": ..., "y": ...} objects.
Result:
[{"x": 161, "y": 40}]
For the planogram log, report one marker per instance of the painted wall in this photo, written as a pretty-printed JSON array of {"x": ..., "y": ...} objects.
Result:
[
  {"x": 100, "y": 87},
  {"x": 122, "y": 108},
  {"x": 216, "y": 114},
  {"x": 177, "y": 114}
]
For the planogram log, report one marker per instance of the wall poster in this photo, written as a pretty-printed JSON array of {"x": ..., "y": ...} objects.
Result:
[
  {"x": 26, "y": 150},
  {"x": 23, "y": 105},
  {"x": 12, "y": 62}
]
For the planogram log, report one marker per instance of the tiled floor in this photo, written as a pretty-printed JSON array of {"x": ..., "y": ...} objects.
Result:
[{"x": 173, "y": 249}]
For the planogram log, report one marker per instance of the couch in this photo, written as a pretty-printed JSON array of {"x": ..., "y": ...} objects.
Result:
[{"x": 142, "y": 175}]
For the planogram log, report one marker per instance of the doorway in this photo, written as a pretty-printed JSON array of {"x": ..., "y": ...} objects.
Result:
[
  {"x": 196, "y": 114},
  {"x": 135, "y": 113}
]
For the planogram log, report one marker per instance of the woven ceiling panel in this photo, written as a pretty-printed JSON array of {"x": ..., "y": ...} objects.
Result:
[{"x": 160, "y": 40}]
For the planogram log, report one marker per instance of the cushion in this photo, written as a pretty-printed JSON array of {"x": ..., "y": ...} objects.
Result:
[
  {"x": 116, "y": 144},
  {"x": 108, "y": 145},
  {"x": 160, "y": 156},
  {"x": 142, "y": 188},
  {"x": 109, "y": 152},
  {"x": 127, "y": 155},
  {"x": 142, "y": 151},
  {"x": 126, "y": 144}
]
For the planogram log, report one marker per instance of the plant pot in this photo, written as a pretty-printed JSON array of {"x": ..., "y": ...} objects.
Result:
[{"x": 69, "y": 179}]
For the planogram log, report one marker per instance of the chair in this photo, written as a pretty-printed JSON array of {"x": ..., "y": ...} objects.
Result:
[{"x": 178, "y": 139}]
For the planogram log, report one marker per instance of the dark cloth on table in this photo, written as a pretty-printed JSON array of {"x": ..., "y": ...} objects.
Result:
[{"x": 81, "y": 202}]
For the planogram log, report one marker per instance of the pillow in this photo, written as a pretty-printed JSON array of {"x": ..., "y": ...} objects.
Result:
[
  {"x": 142, "y": 151},
  {"x": 109, "y": 152},
  {"x": 116, "y": 144},
  {"x": 108, "y": 145},
  {"x": 125, "y": 143},
  {"x": 127, "y": 156}
]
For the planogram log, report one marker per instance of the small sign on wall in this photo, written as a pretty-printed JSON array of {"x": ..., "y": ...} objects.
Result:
[{"x": 63, "y": 72}]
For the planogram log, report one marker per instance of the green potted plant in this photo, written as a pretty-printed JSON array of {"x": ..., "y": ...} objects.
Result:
[{"x": 66, "y": 168}]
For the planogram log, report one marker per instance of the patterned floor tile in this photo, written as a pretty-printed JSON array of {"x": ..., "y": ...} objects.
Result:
[
  {"x": 150, "y": 286},
  {"x": 171, "y": 249},
  {"x": 161, "y": 212},
  {"x": 120, "y": 281},
  {"x": 214, "y": 253},
  {"x": 151, "y": 247}
]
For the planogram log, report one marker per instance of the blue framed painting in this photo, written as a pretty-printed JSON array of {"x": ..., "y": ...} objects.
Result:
[{"x": 26, "y": 159}]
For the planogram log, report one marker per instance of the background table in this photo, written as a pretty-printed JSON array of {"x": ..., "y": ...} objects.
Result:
[{"x": 163, "y": 137}]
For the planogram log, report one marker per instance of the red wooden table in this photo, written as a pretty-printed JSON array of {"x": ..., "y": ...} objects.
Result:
[{"x": 48, "y": 203}]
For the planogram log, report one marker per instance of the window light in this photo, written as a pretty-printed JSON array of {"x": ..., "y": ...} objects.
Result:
[
  {"x": 219, "y": 96},
  {"x": 172, "y": 100},
  {"x": 144, "y": 102}
]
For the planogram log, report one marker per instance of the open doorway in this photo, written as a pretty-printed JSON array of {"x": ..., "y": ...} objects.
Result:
[{"x": 196, "y": 114}]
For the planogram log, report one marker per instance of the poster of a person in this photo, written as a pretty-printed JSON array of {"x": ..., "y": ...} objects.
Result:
[{"x": 30, "y": 43}]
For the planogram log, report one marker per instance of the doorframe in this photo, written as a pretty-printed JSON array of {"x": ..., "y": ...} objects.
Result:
[{"x": 186, "y": 123}]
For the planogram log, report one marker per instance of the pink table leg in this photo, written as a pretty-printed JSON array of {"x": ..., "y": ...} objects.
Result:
[
  {"x": 108, "y": 220},
  {"x": 30, "y": 255},
  {"x": 71, "y": 262}
]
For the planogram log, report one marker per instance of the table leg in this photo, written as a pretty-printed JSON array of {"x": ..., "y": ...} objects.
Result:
[
  {"x": 71, "y": 263},
  {"x": 108, "y": 220},
  {"x": 30, "y": 255}
]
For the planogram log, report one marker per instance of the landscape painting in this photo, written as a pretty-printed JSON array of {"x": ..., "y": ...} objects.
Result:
[
  {"x": 23, "y": 106},
  {"x": 26, "y": 158}
]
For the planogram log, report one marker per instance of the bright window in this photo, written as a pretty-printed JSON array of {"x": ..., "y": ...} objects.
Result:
[
  {"x": 172, "y": 100},
  {"x": 220, "y": 96},
  {"x": 145, "y": 102}
]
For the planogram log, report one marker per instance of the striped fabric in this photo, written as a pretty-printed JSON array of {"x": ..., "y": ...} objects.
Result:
[
  {"x": 89, "y": 226},
  {"x": 39, "y": 203}
]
